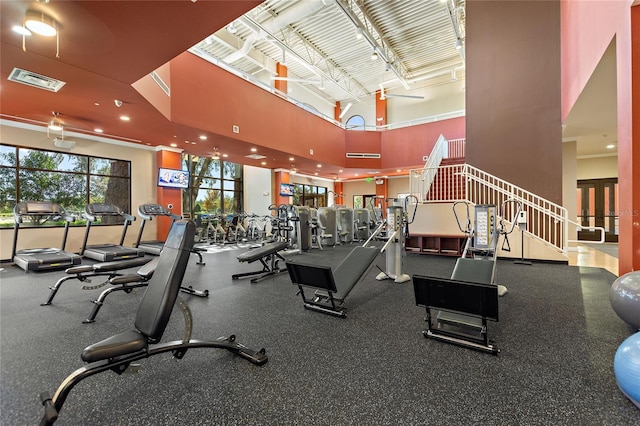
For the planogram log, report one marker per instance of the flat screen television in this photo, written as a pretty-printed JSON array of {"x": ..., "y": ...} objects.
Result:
[
  {"x": 286, "y": 189},
  {"x": 172, "y": 178}
]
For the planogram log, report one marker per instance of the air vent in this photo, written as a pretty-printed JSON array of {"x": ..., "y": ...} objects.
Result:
[
  {"x": 36, "y": 80},
  {"x": 255, "y": 156},
  {"x": 362, "y": 155},
  {"x": 160, "y": 82}
]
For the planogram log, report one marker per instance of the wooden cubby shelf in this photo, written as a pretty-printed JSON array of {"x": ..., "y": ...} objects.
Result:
[{"x": 445, "y": 245}]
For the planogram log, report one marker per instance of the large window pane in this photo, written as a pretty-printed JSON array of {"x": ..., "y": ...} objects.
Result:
[
  {"x": 66, "y": 189},
  {"x": 232, "y": 171},
  {"x": 210, "y": 183}
]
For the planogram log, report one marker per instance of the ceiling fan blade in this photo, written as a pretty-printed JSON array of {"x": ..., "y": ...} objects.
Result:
[{"x": 390, "y": 95}]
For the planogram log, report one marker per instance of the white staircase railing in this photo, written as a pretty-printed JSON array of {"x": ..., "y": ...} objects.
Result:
[{"x": 547, "y": 221}]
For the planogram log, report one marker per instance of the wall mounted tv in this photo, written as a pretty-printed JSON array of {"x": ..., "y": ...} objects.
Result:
[
  {"x": 172, "y": 178},
  {"x": 286, "y": 189}
]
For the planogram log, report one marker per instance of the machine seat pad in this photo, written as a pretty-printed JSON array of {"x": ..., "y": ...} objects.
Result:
[
  {"x": 473, "y": 270},
  {"x": 351, "y": 269},
  {"x": 265, "y": 250},
  {"x": 120, "y": 264},
  {"x": 121, "y": 344}
]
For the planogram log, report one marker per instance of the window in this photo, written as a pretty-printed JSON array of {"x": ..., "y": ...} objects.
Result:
[
  {"x": 215, "y": 186},
  {"x": 309, "y": 195},
  {"x": 356, "y": 122},
  {"x": 70, "y": 180}
]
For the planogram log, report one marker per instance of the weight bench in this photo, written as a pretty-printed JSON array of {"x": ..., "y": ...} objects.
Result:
[
  {"x": 116, "y": 353},
  {"x": 267, "y": 253},
  {"x": 332, "y": 287},
  {"x": 463, "y": 306},
  {"x": 119, "y": 282}
]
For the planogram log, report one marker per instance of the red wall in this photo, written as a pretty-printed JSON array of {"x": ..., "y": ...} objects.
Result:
[
  {"x": 405, "y": 147},
  {"x": 207, "y": 97}
]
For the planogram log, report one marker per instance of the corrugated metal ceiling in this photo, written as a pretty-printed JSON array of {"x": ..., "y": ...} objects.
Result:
[{"x": 317, "y": 41}]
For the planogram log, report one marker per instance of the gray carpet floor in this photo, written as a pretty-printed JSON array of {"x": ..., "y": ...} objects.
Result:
[{"x": 557, "y": 334}]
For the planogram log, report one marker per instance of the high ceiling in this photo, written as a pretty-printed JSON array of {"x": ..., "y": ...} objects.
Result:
[
  {"x": 328, "y": 45},
  {"x": 106, "y": 46}
]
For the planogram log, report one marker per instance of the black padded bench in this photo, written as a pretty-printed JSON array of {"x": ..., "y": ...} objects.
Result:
[
  {"x": 117, "y": 352},
  {"x": 332, "y": 287},
  {"x": 463, "y": 309},
  {"x": 267, "y": 253}
]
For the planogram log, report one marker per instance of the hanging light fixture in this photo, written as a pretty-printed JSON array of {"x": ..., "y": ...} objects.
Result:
[
  {"x": 374, "y": 55},
  {"x": 458, "y": 44},
  {"x": 55, "y": 125},
  {"x": 41, "y": 24}
]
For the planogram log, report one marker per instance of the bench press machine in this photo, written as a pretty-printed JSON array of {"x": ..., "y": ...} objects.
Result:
[{"x": 117, "y": 353}]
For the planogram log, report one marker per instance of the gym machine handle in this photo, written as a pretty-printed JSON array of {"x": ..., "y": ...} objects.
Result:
[{"x": 455, "y": 213}]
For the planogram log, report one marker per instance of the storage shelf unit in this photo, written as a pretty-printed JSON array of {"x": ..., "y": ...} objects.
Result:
[{"x": 445, "y": 245}]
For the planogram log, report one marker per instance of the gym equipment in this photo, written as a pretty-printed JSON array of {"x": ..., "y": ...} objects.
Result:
[
  {"x": 332, "y": 286},
  {"x": 302, "y": 229},
  {"x": 471, "y": 298},
  {"x": 624, "y": 296},
  {"x": 483, "y": 237},
  {"x": 468, "y": 300},
  {"x": 84, "y": 274},
  {"x": 394, "y": 227},
  {"x": 108, "y": 252},
  {"x": 118, "y": 281},
  {"x": 147, "y": 212},
  {"x": 344, "y": 220},
  {"x": 116, "y": 353},
  {"x": 39, "y": 259},
  {"x": 626, "y": 366},
  {"x": 328, "y": 225},
  {"x": 361, "y": 224},
  {"x": 267, "y": 253}
]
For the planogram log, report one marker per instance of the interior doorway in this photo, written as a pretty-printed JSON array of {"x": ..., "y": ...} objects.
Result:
[{"x": 598, "y": 206}]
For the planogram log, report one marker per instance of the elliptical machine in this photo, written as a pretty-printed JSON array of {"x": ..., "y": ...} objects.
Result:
[{"x": 483, "y": 235}]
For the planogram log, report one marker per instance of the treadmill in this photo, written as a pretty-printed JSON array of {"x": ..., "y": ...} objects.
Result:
[
  {"x": 108, "y": 214},
  {"x": 41, "y": 259},
  {"x": 147, "y": 212}
]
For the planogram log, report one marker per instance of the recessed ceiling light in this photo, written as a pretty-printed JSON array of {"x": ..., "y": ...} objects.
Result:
[
  {"x": 174, "y": 145},
  {"x": 356, "y": 174},
  {"x": 254, "y": 149},
  {"x": 316, "y": 173},
  {"x": 398, "y": 170},
  {"x": 611, "y": 146},
  {"x": 97, "y": 130},
  {"x": 96, "y": 103},
  {"x": 319, "y": 166},
  {"x": 340, "y": 171},
  {"x": 21, "y": 30},
  {"x": 291, "y": 159},
  {"x": 125, "y": 118},
  {"x": 225, "y": 155},
  {"x": 203, "y": 138},
  {"x": 264, "y": 163}
]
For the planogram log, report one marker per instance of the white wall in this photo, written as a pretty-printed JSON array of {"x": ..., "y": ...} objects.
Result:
[
  {"x": 257, "y": 190},
  {"x": 597, "y": 168}
]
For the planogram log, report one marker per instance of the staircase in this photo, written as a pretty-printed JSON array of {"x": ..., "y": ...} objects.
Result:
[{"x": 447, "y": 178}]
